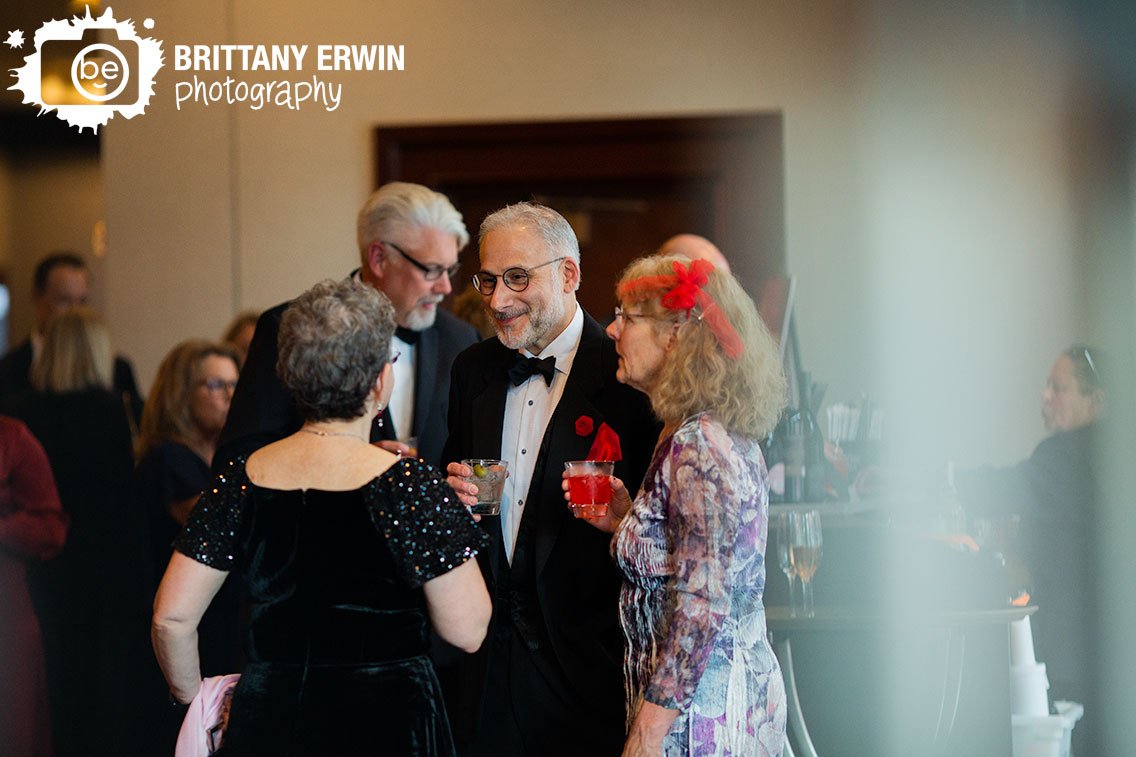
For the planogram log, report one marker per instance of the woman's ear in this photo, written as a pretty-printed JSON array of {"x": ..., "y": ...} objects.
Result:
[
  {"x": 672, "y": 336},
  {"x": 384, "y": 384}
]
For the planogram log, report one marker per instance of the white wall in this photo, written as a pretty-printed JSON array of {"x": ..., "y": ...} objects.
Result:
[{"x": 925, "y": 176}]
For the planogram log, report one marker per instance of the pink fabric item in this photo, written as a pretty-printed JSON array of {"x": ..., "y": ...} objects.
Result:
[{"x": 205, "y": 712}]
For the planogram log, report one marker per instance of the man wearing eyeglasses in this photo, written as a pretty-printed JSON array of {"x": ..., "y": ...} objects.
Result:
[
  {"x": 409, "y": 238},
  {"x": 548, "y": 680}
]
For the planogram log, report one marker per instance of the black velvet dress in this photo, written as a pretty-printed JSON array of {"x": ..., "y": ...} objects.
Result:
[{"x": 338, "y": 630}]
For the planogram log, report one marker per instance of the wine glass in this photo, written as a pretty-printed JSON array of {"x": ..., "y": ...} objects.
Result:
[
  {"x": 784, "y": 561},
  {"x": 805, "y": 542}
]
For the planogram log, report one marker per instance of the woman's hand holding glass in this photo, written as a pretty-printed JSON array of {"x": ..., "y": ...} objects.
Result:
[{"x": 618, "y": 505}]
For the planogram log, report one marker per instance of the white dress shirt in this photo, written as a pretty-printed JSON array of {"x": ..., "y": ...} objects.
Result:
[
  {"x": 402, "y": 397},
  {"x": 528, "y": 408}
]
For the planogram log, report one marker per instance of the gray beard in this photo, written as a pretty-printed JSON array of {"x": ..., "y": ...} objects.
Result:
[
  {"x": 419, "y": 320},
  {"x": 536, "y": 328}
]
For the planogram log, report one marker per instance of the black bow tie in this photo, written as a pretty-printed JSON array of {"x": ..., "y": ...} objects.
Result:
[
  {"x": 525, "y": 367},
  {"x": 407, "y": 335}
]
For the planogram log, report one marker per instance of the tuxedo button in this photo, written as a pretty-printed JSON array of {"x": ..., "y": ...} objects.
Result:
[
  {"x": 524, "y": 452},
  {"x": 520, "y": 503}
]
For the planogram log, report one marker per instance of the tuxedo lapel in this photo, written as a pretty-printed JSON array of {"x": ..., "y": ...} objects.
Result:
[
  {"x": 488, "y": 422},
  {"x": 563, "y": 443},
  {"x": 425, "y": 379}
]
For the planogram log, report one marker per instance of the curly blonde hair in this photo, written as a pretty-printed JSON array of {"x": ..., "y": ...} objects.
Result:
[{"x": 745, "y": 394}]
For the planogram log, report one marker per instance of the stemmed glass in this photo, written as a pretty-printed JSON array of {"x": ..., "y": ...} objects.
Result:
[
  {"x": 784, "y": 561},
  {"x": 805, "y": 544}
]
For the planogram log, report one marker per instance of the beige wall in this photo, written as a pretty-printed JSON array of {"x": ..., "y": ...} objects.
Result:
[
  {"x": 926, "y": 183},
  {"x": 50, "y": 202}
]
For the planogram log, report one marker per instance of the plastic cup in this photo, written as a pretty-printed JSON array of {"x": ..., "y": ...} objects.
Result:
[
  {"x": 489, "y": 477},
  {"x": 1021, "y": 643},
  {"x": 589, "y": 487}
]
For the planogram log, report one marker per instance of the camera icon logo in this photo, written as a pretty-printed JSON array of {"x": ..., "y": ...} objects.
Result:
[
  {"x": 89, "y": 69},
  {"x": 99, "y": 73}
]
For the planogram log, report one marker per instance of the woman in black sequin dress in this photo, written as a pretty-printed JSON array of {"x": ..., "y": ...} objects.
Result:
[{"x": 347, "y": 553}]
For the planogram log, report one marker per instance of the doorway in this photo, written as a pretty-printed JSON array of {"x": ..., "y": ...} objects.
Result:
[{"x": 624, "y": 185}]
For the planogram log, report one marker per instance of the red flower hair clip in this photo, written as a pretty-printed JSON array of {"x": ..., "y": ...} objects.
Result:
[
  {"x": 689, "y": 280},
  {"x": 682, "y": 291}
]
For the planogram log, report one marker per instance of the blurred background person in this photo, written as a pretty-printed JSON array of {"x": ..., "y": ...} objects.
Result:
[
  {"x": 32, "y": 528},
  {"x": 87, "y": 597},
  {"x": 701, "y": 675},
  {"x": 696, "y": 248},
  {"x": 1055, "y": 492},
  {"x": 181, "y": 423},
  {"x": 470, "y": 307},
  {"x": 62, "y": 280},
  {"x": 240, "y": 332},
  {"x": 349, "y": 552}
]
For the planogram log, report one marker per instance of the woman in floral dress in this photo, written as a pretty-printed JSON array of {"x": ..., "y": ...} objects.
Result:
[{"x": 700, "y": 674}]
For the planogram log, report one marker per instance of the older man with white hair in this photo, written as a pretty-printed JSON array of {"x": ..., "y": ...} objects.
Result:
[
  {"x": 548, "y": 681},
  {"x": 409, "y": 238}
]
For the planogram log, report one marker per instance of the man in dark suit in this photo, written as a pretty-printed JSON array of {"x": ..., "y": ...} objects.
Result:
[
  {"x": 409, "y": 238},
  {"x": 62, "y": 280},
  {"x": 548, "y": 680}
]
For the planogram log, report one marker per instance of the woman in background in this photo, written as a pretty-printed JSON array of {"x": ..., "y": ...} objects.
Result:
[
  {"x": 32, "y": 527},
  {"x": 349, "y": 554},
  {"x": 1055, "y": 492},
  {"x": 700, "y": 674},
  {"x": 182, "y": 420},
  {"x": 88, "y": 596},
  {"x": 239, "y": 334}
]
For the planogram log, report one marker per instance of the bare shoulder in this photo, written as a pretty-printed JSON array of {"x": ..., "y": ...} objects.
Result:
[{"x": 297, "y": 462}]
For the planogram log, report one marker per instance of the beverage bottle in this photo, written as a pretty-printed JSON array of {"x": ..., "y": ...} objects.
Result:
[
  {"x": 771, "y": 450},
  {"x": 815, "y": 464},
  {"x": 793, "y": 449}
]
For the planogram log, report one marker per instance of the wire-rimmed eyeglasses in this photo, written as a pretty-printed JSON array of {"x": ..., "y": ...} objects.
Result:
[
  {"x": 516, "y": 278},
  {"x": 431, "y": 272},
  {"x": 622, "y": 315}
]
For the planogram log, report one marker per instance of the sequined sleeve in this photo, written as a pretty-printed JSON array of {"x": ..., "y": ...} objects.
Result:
[
  {"x": 427, "y": 528},
  {"x": 210, "y": 534}
]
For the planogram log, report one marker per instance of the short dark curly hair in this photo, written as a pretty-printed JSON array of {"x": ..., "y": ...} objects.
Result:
[{"x": 334, "y": 342}]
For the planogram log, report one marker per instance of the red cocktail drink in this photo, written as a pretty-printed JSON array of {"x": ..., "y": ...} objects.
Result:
[{"x": 589, "y": 487}]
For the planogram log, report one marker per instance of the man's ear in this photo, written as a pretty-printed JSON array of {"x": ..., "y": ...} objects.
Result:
[
  {"x": 376, "y": 259},
  {"x": 571, "y": 274}
]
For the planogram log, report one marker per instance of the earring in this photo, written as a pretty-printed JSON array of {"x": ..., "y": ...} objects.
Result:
[{"x": 379, "y": 415}]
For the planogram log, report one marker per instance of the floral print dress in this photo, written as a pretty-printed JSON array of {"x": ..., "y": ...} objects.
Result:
[{"x": 692, "y": 550}]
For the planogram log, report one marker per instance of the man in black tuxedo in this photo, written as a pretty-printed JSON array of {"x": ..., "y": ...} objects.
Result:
[
  {"x": 409, "y": 238},
  {"x": 62, "y": 280},
  {"x": 548, "y": 680}
]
